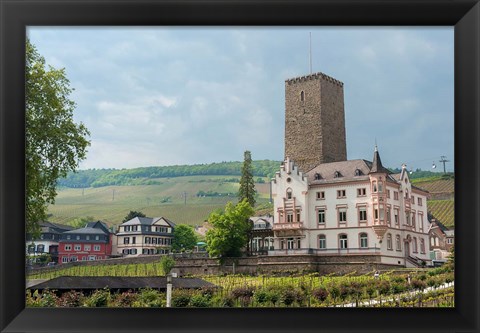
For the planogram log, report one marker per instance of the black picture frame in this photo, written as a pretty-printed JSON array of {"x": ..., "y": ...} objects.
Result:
[{"x": 16, "y": 15}]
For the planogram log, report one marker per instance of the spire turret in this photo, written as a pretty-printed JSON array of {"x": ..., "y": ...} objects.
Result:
[{"x": 377, "y": 163}]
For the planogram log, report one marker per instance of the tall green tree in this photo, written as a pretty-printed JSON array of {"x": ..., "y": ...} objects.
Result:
[
  {"x": 184, "y": 238},
  {"x": 229, "y": 233},
  {"x": 55, "y": 144},
  {"x": 133, "y": 214},
  {"x": 247, "y": 184}
]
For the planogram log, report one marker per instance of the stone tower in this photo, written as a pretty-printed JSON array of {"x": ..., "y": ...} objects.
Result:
[{"x": 314, "y": 121}]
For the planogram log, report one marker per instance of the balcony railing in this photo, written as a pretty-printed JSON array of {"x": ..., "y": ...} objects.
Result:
[
  {"x": 332, "y": 251},
  {"x": 287, "y": 226}
]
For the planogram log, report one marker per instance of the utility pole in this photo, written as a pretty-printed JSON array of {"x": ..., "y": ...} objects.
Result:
[{"x": 443, "y": 159}]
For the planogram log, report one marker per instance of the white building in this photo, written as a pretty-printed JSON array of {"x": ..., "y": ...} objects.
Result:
[
  {"x": 145, "y": 235},
  {"x": 354, "y": 207}
]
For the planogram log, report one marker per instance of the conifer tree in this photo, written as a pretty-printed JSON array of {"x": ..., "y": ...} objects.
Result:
[{"x": 247, "y": 184}]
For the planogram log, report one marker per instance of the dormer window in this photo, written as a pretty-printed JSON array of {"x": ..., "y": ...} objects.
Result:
[
  {"x": 337, "y": 174},
  {"x": 317, "y": 176},
  {"x": 358, "y": 172}
]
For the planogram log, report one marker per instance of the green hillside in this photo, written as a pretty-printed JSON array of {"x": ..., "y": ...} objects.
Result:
[
  {"x": 155, "y": 175},
  {"x": 112, "y": 203}
]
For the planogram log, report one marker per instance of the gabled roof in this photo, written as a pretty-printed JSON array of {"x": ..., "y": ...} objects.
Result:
[
  {"x": 264, "y": 218},
  {"x": 171, "y": 223},
  {"x": 147, "y": 221},
  {"x": 96, "y": 228},
  {"x": 54, "y": 226}
]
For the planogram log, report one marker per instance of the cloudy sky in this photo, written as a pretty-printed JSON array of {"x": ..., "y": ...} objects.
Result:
[{"x": 166, "y": 96}]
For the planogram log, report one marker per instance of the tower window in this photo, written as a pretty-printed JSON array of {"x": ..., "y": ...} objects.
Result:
[
  {"x": 289, "y": 193},
  {"x": 302, "y": 96}
]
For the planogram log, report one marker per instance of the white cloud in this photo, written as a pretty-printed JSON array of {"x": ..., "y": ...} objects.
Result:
[{"x": 154, "y": 96}]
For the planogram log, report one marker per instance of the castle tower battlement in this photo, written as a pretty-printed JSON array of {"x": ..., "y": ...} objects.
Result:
[
  {"x": 313, "y": 77},
  {"x": 314, "y": 120}
]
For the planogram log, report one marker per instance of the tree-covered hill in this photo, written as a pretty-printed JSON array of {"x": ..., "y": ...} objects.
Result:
[{"x": 152, "y": 175}]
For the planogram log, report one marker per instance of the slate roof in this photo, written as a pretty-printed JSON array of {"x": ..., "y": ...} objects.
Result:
[
  {"x": 377, "y": 163},
  {"x": 46, "y": 226},
  {"x": 352, "y": 170},
  {"x": 86, "y": 230},
  {"x": 118, "y": 282},
  {"x": 449, "y": 232},
  {"x": 147, "y": 221},
  {"x": 347, "y": 170}
]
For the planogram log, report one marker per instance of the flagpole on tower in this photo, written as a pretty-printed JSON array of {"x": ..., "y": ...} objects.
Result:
[{"x": 310, "y": 53}]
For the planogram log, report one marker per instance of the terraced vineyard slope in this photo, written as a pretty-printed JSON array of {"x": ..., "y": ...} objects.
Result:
[{"x": 441, "y": 204}]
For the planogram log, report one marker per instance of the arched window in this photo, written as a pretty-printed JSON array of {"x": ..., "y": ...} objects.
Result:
[
  {"x": 317, "y": 176},
  {"x": 289, "y": 193},
  {"x": 399, "y": 244},
  {"x": 322, "y": 242},
  {"x": 363, "y": 240},
  {"x": 343, "y": 239},
  {"x": 337, "y": 174},
  {"x": 302, "y": 96},
  {"x": 358, "y": 172},
  {"x": 389, "y": 242}
]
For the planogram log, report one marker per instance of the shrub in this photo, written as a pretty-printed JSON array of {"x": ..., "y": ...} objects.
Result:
[
  {"x": 242, "y": 292},
  {"x": 261, "y": 296},
  {"x": 334, "y": 291},
  {"x": 208, "y": 292},
  {"x": 45, "y": 299},
  {"x": 422, "y": 277},
  {"x": 151, "y": 298},
  {"x": 181, "y": 298},
  {"x": 274, "y": 296},
  {"x": 99, "y": 298},
  {"x": 419, "y": 284},
  {"x": 288, "y": 296},
  {"x": 125, "y": 299},
  {"x": 398, "y": 287},
  {"x": 226, "y": 301},
  {"x": 200, "y": 301},
  {"x": 370, "y": 289},
  {"x": 320, "y": 294},
  {"x": 70, "y": 299},
  {"x": 383, "y": 287}
]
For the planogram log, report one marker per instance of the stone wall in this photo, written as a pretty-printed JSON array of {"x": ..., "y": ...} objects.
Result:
[{"x": 199, "y": 265}]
